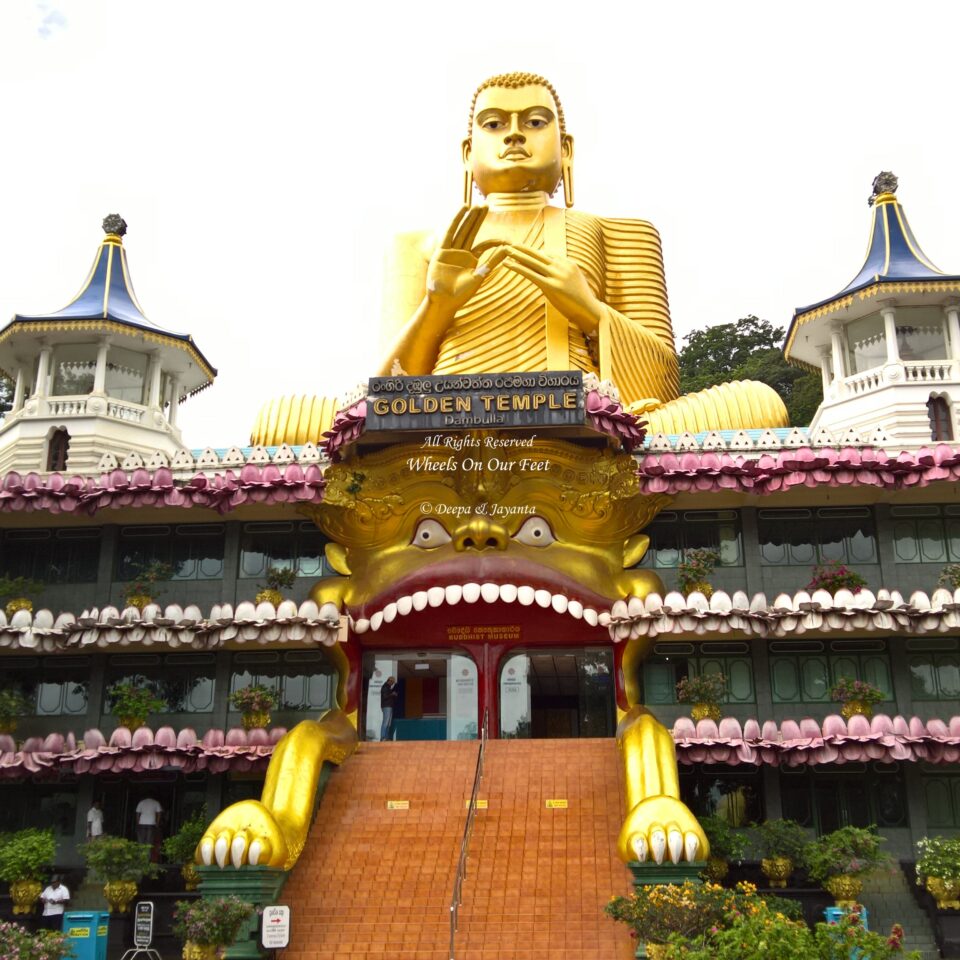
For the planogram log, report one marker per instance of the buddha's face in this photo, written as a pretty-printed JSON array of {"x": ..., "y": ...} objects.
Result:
[{"x": 516, "y": 144}]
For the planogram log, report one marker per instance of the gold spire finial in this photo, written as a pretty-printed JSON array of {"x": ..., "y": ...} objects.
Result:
[
  {"x": 883, "y": 183},
  {"x": 114, "y": 225}
]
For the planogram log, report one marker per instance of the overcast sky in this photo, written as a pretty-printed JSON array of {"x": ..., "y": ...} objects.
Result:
[{"x": 263, "y": 154}]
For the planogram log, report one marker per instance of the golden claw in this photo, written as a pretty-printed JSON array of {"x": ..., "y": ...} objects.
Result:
[{"x": 662, "y": 828}]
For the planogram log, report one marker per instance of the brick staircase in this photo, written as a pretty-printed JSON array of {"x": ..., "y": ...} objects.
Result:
[
  {"x": 374, "y": 882},
  {"x": 889, "y": 900}
]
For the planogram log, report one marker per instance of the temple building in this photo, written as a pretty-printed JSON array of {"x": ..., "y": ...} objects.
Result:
[{"x": 98, "y": 489}]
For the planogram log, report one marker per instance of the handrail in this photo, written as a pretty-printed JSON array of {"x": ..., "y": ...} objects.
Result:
[{"x": 457, "y": 898}]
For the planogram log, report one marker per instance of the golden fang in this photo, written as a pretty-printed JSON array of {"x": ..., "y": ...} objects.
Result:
[{"x": 491, "y": 402}]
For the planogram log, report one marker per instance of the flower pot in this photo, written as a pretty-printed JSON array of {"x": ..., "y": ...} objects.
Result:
[
  {"x": 656, "y": 950},
  {"x": 706, "y": 711},
  {"x": 119, "y": 894},
  {"x": 191, "y": 879},
  {"x": 9, "y": 724},
  {"x": 200, "y": 951},
  {"x": 852, "y": 707},
  {"x": 777, "y": 870},
  {"x": 131, "y": 723},
  {"x": 255, "y": 719},
  {"x": 701, "y": 586},
  {"x": 18, "y": 603},
  {"x": 945, "y": 892},
  {"x": 25, "y": 894},
  {"x": 844, "y": 889},
  {"x": 716, "y": 869},
  {"x": 270, "y": 596},
  {"x": 139, "y": 600}
]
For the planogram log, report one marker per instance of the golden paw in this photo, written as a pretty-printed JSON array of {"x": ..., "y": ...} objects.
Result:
[
  {"x": 661, "y": 828},
  {"x": 244, "y": 833}
]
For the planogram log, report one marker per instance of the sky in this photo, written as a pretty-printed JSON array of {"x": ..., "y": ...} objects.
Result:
[{"x": 264, "y": 155}]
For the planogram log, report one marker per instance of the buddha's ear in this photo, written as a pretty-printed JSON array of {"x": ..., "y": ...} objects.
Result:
[
  {"x": 466, "y": 149},
  {"x": 566, "y": 167},
  {"x": 634, "y": 549},
  {"x": 337, "y": 558}
]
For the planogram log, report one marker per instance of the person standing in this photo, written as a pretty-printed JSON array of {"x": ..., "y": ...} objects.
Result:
[
  {"x": 95, "y": 820},
  {"x": 148, "y": 819},
  {"x": 388, "y": 701},
  {"x": 54, "y": 898}
]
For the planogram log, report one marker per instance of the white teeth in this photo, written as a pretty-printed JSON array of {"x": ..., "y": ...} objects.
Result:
[
  {"x": 420, "y": 600},
  {"x": 490, "y": 592},
  {"x": 329, "y": 612},
  {"x": 435, "y": 596},
  {"x": 590, "y": 615},
  {"x": 543, "y": 598},
  {"x": 691, "y": 845},
  {"x": 508, "y": 592},
  {"x": 253, "y": 857},
  {"x": 575, "y": 609},
  {"x": 603, "y": 618},
  {"x": 376, "y": 620},
  {"x": 559, "y": 603},
  {"x": 453, "y": 593},
  {"x": 220, "y": 851},
  {"x": 361, "y": 626},
  {"x": 634, "y": 606},
  {"x": 675, "y": 845},
  {"x": 237, "y": 849},
  {"x": 471, "y": 592},
  {"x": 206, "y": 852},
  {"x": 525, "y": 595},
  {"x": 618, "y": 610},
  {"x": 658, "y": 844},
  {"x": 640, "y": 847},
  {"x": 404, "y": 605},
  {"x": 390, "y": 613}
]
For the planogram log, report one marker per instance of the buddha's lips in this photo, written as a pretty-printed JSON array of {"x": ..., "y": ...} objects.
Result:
[{"x": 497, "y": 582}]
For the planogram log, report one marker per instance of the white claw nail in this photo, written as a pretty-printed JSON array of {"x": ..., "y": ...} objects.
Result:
[
  {"x": 658, "y": 844},
  {"x": 691, "y": 845},
  {"x": 675, "y": 845},
  {"x": 640, "y": 847},
  {"x": 253, "y": 858},
  {"x": 206, "y": 852},
  {"x": 220, "y": 851},
  {"x": 237, "y": 850}
]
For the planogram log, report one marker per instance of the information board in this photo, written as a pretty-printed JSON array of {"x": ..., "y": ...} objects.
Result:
[
  {"x": 275, "y": 931},
  {"x": 143, "y": 924}
]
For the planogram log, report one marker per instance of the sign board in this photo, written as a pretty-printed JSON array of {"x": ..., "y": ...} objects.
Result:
[
  {"x": 398, "y": 804},
  {"x": 275, "y": 931},
  {"x": 476, "y": 401},
  {"x": 143, "y": 924},
  {"x": 481, "y": 804},
  {"x": 556, "y": 804}
]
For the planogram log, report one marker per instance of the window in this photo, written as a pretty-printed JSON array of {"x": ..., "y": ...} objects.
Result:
[
  {"x": 803, "y": 671},
  {"x": 941, "y": 421},
  {"x": 186, "y": 681},
  {"x": 57, "y": 450},
  {"x": 291, "y": 546},
  {"x": 53, "y": 686},
  {"x": 673, "y": 533},
  {"x": 24, "y": 805},
  {"x": 195, "y": 551},
  {"x": 866, "y": 344},
  {"x": 921, "y": 333},
  {"x": 303, "y": 679},
  {"x": 805, "y": 537},
  {"x": 934, "y": 668},
  {"x": 671, "y": 662},
  {"x": 53, "y": 556},
  {"x": 927, "y": 534},
  {"x": 941, "y": 791},
  {"x": 126, "y": 375},
  {"x": 733, "y": 793},
  {"x": 74, "y": 368},
  {"x": 855, "y": 795}
]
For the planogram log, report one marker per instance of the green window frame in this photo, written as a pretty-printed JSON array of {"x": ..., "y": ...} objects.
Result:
[
  {"x": 70, "y": 555},
  {"x": 305, "y": 680},
  {"x": 674, "y": 532},
  {"x": 934, "y": 664},
  {"x": 286, "y": 545},
  {"x": 194, "y": 550},
  {"x": 801, "y": 536},
  {"x": 186, "y": 681},
  {"x": 803, "y": 671},
  {"x": 670, "y": 662},
  {"x": 926, "y": 534},
  {"x": 941, "y": 795},
  {"x": 53, "y": 686}
]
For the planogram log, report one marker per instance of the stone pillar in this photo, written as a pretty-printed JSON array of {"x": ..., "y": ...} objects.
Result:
[
  {"x": 18, "y": 389},
  {"x": 952, "y": 311},
  {"x": 889, "y": 314},
  {"x": 43, "y": 369},
  {"x": 836, "y": 346},
  {"x": 174, "y": 401},
  {"x": 153, "y": 380},
  {"x": 100, "y": 375},
  {"x": 825, "y": 372}
]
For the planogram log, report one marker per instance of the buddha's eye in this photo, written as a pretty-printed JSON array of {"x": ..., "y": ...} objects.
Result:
[
  {"x": 536, "y": 122},
  {"x": 429, "y": 534},
  {"x": 535, "y": 532},
  {"x": 493, "y": 124}
]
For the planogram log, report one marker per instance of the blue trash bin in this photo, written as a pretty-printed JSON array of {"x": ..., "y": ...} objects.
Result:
[
  {"x": 80, "y": 926},
  {"x": 834, "y": 915},
  {"x": 103, "y": 930}
]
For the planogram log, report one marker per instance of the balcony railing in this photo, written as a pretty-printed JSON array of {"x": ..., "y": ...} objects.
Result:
[
  {"x": 914, "y": 371},
  {"x": 79, "y": 407}
]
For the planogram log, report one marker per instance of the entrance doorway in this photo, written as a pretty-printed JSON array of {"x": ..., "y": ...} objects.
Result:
[
  {"x": 555, "y": 694},
  {"x": 436, "y": 695}
]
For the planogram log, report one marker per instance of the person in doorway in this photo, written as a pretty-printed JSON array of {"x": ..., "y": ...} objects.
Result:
[
  {"x": 54, "y": 898},
  {"x": 148, "y": 819},
  {"x": 388, "y": 702},
  {"x": 95, "y": 820}
]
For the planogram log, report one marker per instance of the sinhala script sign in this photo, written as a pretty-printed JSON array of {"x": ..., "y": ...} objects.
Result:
[{"x": 275, "y": 932}]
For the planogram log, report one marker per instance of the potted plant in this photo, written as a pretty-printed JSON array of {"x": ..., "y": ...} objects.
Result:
[
  {"x": 856, "y": 696},
  {"x": 705, "y": 693},
  {"x": 119, "y": 865},
  {"x": 835, "y": 576},
  {"x": 938, "y": 869},
  {"x": 25, "y": 856},
  {"x": 781, "y": 845},
  {"x": 143, "y": 588},
  {"x": 13, "y": 705},
  {"x": 278, "y": 578},
  {"x": 208, "y": 926},
  {"x": 16, "y": 941},
  {"x": 725, "y": 845},
  {"x": 19, "y": 590},
  {"x": 950, "y": 576},
  {"x": 132, "y": 701},
  {"x": 181, "y": 847},
  {"x": 695, "y": 570},
  {"x": 254, "y": 703},
  {"x": 838, "y": 860}
]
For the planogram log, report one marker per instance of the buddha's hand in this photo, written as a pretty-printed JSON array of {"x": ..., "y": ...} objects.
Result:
[
  {"x": 458, "y": 268},
  {"x": 562, "y": 283},
  {"x": 245, "y": 832}
]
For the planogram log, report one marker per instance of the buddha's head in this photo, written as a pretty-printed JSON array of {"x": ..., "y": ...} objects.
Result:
[{"x": 518, "y": 141}]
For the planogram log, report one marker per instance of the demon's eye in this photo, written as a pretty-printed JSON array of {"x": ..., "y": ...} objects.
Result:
[
  {"x": 535, "y": 532},
  {"x": 430, "y": 533}
]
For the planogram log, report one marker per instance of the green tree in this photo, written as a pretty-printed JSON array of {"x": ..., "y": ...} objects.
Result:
[
  {"x": 6, "y": 395},
  {"x": 748, "y": 350}
]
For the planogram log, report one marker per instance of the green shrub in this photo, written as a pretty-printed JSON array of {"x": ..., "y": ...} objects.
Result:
[
  {"x": 849, "y": 851},
  {"x": 781, "y": 838},
  {"x": 113, "y": 858},
  {"x": 216, "y": 921},
  {"x": 180, "y": 847},
  {"x": 26, "y": 855}
]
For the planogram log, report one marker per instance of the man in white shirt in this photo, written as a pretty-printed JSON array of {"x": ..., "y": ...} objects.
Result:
[
  {"x": 148, "y": 819},
  {"x": 95, "y": 821},
  {"x": 54, "y": 898}
]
